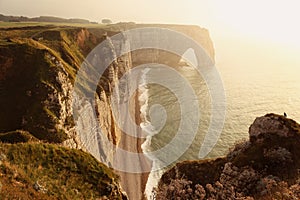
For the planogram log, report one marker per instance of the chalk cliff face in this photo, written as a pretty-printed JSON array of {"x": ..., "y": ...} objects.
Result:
[{"x": 38, "y": 67}]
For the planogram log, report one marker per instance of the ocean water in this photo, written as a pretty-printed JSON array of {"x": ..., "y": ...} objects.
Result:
[{"x": 249, "y": 93}]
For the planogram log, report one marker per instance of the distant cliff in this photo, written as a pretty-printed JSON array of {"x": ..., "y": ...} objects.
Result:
[
  {"x": 265, "y": 167},
  {"x": 38, "y": 67},
  {"x": 41, "y": 19}
]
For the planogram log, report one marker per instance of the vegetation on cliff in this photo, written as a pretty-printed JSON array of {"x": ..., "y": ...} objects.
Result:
[
  {"x": 265, "y": 167},
  {"x": 45, "y": 171}
]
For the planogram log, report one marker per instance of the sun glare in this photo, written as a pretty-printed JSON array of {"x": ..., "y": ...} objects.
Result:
[{"x": 275, "y": 21}]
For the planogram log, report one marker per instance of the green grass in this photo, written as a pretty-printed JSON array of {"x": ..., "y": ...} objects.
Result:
[
  {"x": 16, "y": 137},
  {"x": 65, "y": 173}
]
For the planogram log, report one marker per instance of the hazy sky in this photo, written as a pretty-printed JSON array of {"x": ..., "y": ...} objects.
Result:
[
  {"x": 238, "y": 21},
  {"x": 117, "y": 10},
  {"x": 275, "y": 20}
]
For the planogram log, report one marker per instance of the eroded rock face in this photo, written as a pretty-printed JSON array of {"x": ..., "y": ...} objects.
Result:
[{"x": 265, "y": 167}]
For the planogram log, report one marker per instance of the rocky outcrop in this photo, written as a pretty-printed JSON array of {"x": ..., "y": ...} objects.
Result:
[
  {"x": 265, "y": 167},
  {"x": 273, "y": 128}
]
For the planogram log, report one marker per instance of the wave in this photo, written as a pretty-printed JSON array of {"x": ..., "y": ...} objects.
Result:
[{"x": 149, "y": 130}]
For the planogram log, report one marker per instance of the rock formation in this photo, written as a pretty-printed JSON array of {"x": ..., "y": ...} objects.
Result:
[{"x": 265, "y": 167}]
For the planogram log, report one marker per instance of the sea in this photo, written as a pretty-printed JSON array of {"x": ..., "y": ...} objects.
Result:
[{"x": 177, "y": 100}]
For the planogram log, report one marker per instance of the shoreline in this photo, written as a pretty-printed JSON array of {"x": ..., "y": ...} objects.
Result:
[{"x": 134, "y": 184}]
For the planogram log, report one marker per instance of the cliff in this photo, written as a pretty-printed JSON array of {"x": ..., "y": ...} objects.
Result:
[
  {"x": 264, "y": 167},
  {"x": 38, "y": 67}
]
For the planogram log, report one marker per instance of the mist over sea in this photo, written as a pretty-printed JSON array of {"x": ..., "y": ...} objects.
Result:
[{"x": 249, "y": 93}]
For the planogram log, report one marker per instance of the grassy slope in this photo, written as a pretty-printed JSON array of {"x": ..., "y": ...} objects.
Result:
[{"x": 64, "y": 173}]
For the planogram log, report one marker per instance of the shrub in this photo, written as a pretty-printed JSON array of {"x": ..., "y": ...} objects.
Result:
[{"x": 179, "y": 189}]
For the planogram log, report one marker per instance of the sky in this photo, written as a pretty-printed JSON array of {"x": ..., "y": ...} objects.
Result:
[{"x": 242, "y": 25}]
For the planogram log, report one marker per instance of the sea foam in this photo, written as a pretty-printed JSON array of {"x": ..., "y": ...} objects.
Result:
[{"x": 149, "y": 130}]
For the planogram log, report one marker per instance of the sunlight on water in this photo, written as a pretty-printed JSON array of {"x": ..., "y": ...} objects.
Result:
[{"x": 248, "y": 95}]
